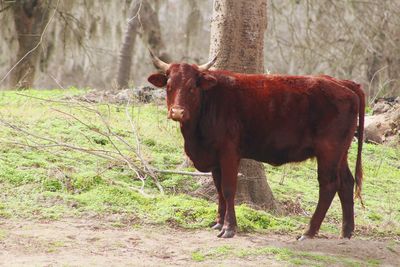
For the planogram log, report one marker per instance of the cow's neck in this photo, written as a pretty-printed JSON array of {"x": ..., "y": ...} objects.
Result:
[
  {"x": 201, "y": 155},
  {"x": 190, "y": 131},
  {"x": 191, "y": 135}
]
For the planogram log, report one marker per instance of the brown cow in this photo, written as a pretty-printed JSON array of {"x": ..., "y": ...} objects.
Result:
[{"x": 226, "y": 116}]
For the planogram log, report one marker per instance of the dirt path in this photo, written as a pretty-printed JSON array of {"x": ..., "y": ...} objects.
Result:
[{"x": 83, "y": 242}]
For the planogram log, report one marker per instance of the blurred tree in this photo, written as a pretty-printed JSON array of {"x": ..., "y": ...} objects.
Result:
[
  {"x": 193, "y": 31},
  {"x": 237, "y": 36},
  {"x": 143, "y": 21},
  {"x": 355, "y": 40},
  {"x": 30, "y": 17}
]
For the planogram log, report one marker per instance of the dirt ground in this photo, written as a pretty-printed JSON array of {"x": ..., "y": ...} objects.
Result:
[{"x": 84, "y": 242}]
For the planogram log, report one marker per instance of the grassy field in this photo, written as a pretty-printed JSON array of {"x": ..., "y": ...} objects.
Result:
[{"x": 48, "y": 170}]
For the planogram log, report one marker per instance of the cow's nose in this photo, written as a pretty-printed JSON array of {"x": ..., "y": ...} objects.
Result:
[{"x": 176, "y": 113}]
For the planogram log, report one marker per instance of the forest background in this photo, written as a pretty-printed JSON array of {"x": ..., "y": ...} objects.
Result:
[{"x": 356, "y": 40}]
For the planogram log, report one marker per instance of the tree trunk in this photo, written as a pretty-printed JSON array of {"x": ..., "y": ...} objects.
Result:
[
  {"x": 237, "y": 35},
  {"x": 125, "y": 55},
  {"x": 30, "y": 18},
  {"x": 193, "y": 29},
  {"x": 147, "y": 26}
]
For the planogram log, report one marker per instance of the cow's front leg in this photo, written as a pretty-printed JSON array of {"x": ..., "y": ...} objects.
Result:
[
  {"x": 216, "y": 173},
  {"x": 229, "y": 170}
]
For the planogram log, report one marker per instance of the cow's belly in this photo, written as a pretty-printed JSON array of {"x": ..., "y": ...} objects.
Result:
[
  {"x": 279, "y": 157},
  {"x": 278, "y": 153},
  {"x": 204, "y": 166}
]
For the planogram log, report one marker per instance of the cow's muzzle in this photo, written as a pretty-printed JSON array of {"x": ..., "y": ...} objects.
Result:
[{"x": 176, "y": 113}]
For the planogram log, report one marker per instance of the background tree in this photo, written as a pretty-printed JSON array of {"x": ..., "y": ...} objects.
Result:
[
  {"x": 30, "y": 17},
  {"x": 237, "y": 35},
  {"x": 355, "y": 40},
  {"x": 193, "y": 32},
  {"x": 143, "y": 21}
]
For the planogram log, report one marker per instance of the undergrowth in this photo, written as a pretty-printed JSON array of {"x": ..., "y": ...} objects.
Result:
[{"x": 53, "y": 182}]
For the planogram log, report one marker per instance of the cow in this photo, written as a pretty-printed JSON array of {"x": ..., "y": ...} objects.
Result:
[{"x": 226, "y": 116}]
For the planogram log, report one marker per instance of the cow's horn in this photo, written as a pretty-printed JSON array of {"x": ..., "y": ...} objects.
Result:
[
  {"x": 208, "y": 64},
  {"x": 158, "y": 63}
]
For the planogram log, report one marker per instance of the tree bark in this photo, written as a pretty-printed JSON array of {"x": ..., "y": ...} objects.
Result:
[
  {"x": 143, "y": 21},
  {"x": 193, "y": 32},
  {"x": 30, "y": 19},
  {"x": 125, "y": 54},
  {"x": 237, "y": 35}
]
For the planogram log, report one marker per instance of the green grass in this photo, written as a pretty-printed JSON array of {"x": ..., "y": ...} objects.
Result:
[
  {"x": 284, "y": 255},
  {"x": 50, "y": 181},
  {"x": 3, "y": 234},
  {"x": 381, "y": 215}
]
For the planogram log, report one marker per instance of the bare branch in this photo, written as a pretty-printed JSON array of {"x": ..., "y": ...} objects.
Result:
[
  {"x": 184, "y": 173},
  {"x": 137, "y": 165},
  {"x": 189, "y": 173}
]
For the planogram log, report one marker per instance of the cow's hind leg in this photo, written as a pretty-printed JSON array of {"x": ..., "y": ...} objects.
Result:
[
  {"x": 328, "y": 167},
  {"x": 346, "y": 195},
  {"x": 221, "y": 200}
]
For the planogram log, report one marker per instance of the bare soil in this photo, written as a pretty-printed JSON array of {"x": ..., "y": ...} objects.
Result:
[{"x": 94, "y": 242}]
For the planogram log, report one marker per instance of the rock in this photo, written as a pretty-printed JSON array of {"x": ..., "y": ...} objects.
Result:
[
  {"x": 159, "y": 95},
  {"x": 143, "y": 94},
  {"x": 381, "y": 107},
  {"x": 384, "y": 125},
  {"x": 375, "y": 129},
  {"x": 146, "y": 94},
  {"x": 124, "y": 96}
]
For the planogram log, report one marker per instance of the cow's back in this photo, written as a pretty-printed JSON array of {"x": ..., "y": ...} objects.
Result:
[{"x": 281, "y": 119}]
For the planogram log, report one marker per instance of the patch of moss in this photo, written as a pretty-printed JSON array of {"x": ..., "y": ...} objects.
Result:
[{"x": 52, "y": 185}]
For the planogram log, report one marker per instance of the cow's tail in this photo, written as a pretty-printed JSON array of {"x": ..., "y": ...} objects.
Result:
[{"x": 356, "y": 88}]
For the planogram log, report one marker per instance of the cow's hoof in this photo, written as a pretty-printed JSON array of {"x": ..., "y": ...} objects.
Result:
[
  {"x": 346, "y": 235},
  {"x": 217, "y": 226},
  {"x": 226, "y": 233},
  {"x": 303, "y": 237}
]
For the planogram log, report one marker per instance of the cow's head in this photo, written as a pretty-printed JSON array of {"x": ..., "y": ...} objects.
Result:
[{"x": 185, "y": 84}]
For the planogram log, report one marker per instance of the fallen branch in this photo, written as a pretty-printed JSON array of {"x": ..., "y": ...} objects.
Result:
[
  {"x": 183, "y": 172},
  {"x": 187, "y": 173}
]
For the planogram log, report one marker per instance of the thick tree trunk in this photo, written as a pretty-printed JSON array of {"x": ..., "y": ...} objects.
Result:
[
  {"x": 147, "y": 26},
  {"x": 237, "y": 35},
  {"x": 30, "y": 18}
]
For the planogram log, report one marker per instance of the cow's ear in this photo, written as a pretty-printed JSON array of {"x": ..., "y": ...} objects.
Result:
[
  {"x": 206, "y": 81},
  {"x": 158, "y": 79}
]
